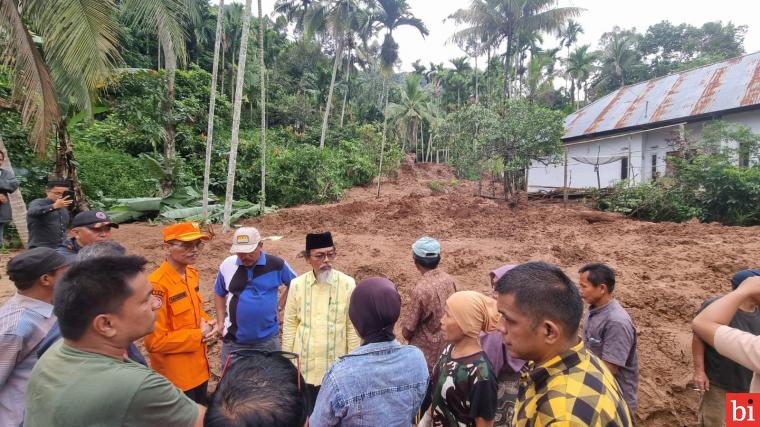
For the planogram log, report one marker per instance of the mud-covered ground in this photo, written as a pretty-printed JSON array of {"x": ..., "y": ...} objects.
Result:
[{"x": 665, "y": 270}]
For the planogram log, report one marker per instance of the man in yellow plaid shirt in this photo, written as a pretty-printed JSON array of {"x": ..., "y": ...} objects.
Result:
[{"x": 564, "y": 384}]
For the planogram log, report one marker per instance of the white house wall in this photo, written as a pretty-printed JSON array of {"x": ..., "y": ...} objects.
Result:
[
  {"x": 640, "y": 147},
  {"x": 582, "y": 175}
]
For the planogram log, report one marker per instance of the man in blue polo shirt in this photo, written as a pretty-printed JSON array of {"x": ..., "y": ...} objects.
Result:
[{"x": 246, "y": 293}]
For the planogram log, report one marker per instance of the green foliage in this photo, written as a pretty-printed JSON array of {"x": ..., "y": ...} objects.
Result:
[
  {"x": 134, "y": 121},
  {"x": 183, "y": 204},
  {"x": 629, "y": 57},
  {"x": 302, "y": 173},
  {"x": 469, "y": 134},
  {"x": 654, "y": 202},
  {"x": 517, "y": 133},
  {"x": 31, "y": 172},
  {"x": 706, "y": 182},
  {"x": 110, "y": 173}
]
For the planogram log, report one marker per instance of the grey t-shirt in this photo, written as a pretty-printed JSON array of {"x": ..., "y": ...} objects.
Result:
[
  {"x": 609, "y": 334},
  {"x": 722, "y": 371},
  {"x": 70, "y": 387}
]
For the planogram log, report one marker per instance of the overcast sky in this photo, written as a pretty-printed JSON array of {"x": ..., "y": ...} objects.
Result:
[{"x": 600, "y": 16}]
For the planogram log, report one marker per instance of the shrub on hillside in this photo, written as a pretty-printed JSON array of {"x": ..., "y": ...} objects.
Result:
[
  {"x": 111, "y": 173},
  {"x": 709, "y": 188}
]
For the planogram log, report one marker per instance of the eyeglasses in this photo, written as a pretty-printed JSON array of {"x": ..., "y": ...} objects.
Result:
[
  {"x": 324, "y": 255},
  {"x": 251, "y": 352},
  {"x": 189, "y": 246}
]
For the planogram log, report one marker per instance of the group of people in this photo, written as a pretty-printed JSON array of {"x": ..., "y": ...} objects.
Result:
[{"x": 517, "y": 357}]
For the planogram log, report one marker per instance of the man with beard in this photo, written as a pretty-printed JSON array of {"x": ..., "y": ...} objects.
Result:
[
  {"x": 177, "y": 346},
  {"x": 316, "y": 324}
]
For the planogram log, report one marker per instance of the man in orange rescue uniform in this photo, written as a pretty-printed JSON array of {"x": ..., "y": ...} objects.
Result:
[{"x": 177, "y": 346}]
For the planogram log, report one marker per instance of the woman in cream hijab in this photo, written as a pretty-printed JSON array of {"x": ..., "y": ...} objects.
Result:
[{"x": 463, "y": 381}]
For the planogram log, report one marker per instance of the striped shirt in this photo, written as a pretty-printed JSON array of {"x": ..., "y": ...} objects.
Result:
[
  {"x": 24, "y": 322},
  {"x": 572, "y": 389}
]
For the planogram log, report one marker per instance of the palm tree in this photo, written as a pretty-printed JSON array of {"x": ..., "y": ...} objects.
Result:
[
  {"x": 579, "y": 66},
  {"x": 457, "y": 78},
  {"x": 500, "y": 21},
  {"x": 619, "y": 53},
  {"x": 294, "y": 11},
  {"x": 473, "y": 47},
  {"x": 165, "y": 18},
  {"x": 336, "y": 18},
  {"x": 211, "y": 107},
  {"x": 232, "y": 27},
  {"x": 412, "y": 109},
  {"x": 419, "y": 69},
  {"x": 526, "y": 42},
  {"x": 391, "y": 14},
  {"x": 568, "y": 34},
  {"x": 79, "y": 52},
  {"x": 262, "y": 74},
  {"x": 80, "y": 46},
  {"x": 236, "y": 117},
  {"x": 540, "y": 74}
]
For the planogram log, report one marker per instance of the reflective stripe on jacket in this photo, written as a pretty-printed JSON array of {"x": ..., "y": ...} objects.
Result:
[{"x": 175, "y": 347}]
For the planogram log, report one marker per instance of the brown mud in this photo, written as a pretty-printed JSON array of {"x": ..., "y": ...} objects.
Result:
[{"x": 665, "y": 270}]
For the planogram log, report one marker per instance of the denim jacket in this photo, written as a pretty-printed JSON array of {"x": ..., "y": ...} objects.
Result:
[{"x": 378, "y": 384}]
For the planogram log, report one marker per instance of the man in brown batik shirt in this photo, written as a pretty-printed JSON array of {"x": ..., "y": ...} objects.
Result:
[{"x": 422, "y": 325}]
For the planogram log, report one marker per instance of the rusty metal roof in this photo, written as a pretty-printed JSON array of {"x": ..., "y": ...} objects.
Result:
[{"x": 710, "y": 89}]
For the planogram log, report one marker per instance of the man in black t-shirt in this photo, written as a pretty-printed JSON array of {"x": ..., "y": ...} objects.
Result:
[
  {"x": 48, "y": 217},
  {"x": 715, "y": 375}
]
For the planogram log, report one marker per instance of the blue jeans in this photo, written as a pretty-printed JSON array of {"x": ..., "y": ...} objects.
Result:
[{"x": 267, "y": 344}]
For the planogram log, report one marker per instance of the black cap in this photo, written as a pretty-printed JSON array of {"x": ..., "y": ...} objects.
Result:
[
  {"x": 34, "y": 263},
  {"x": 92, "y": 217},
  {"x": 319, "y": 240}
]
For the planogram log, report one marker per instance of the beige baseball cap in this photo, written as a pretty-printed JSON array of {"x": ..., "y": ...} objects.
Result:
[{"x": 245, "y": 240}]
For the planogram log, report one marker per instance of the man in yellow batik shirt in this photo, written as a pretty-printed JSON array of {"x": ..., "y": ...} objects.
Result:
[{"x": 316, "y": 324}]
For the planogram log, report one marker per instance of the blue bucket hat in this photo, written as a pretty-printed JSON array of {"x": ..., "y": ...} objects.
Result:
[{"x": 427, "y": 247}]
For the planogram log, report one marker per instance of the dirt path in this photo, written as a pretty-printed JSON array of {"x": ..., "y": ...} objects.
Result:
[{"x": 665, "y": 270}]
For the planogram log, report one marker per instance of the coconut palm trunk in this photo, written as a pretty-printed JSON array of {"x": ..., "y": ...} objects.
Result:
[
  {"x": 170, "y": 149},
  {"x": 18, "y": 207},
  {"x": 348, "y": 85},
  {"x": 386, "y": 83},
  {"x": 236, "y": 117},
  {"x": 326, "y": 116},
  {"x": 211, "y": 107},
  {"x": 263, "y": 106},
  {"x": 66, "y": 166}
]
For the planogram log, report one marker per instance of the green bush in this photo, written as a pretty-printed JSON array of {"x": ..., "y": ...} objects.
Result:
[
  {"x": 110, "y": 173},
  {"x": 653, "y": 202},
  {"x": 724, "y": 192},
  {"x": 707, "y": 187},
  {"x": 32, "y": 172}
]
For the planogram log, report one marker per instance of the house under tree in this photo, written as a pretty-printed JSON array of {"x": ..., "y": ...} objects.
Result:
[{"x": 631, "y": 132}]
